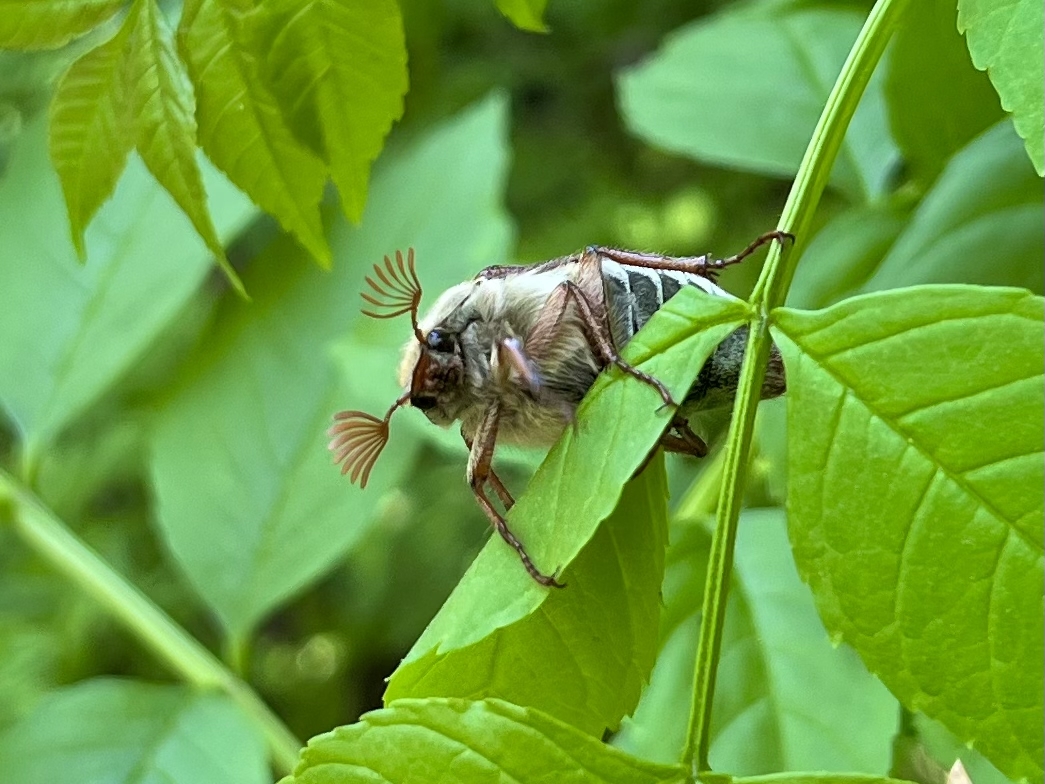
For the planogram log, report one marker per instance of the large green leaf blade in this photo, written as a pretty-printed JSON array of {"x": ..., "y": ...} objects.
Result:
[
  {"x": 249, "y": 501},
  {"x": 241, "y": 127},
  {"x": 71, "y": 330},
  {"x": 579, "y": 483},
  {"x": 91, "y": 132},
  {"x": 107, "y": 730},
  {"x": 745, "y": 89},
  {"x": 597, "y": 638},
  {"x": 339, "y": 69},
  {"x": 163, "y": 115},
  {"x": 49, "y": 24},
  {"x": 1005, "y": 40},
  {"x": 457, "y": 740},
  {"x": 915, "y": 499}
]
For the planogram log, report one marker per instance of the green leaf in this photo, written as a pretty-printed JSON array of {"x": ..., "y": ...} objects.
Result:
[
  {"x": 91, "y": 132},
  {"x": 579, "y": 483},
  {"x": 938, "y": 102},
  {"x": 457, "y": 740},
  {"x": 706, "y": 95},
  {"x": 249, "y": 503},
  {"x": 597, "y": 638},
  {"x": 981, "y": 223},
  {"x": 107, "y": 730},
  {"x": 65, "y": 325},
  {"x": 162, "y": 113},
  {"x": 915, "y": 499},
  {"x": 241, "y": 127},
  {"x": 338, "y": 67},
  {"x": 1005, "y": 40},
  {"x": 785, "y": 699},
  {"x": 525, "y": 14},
  {"x": 49, "y": 24}
]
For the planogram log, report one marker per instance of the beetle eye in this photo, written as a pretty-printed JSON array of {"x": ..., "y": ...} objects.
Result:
[{"x": 440, "y": 341}]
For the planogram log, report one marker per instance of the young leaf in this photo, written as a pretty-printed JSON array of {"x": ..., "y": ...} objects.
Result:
[
  {"x": 241, "y": 127},
  {"x": 111, "y": 730},
  {"x": 1005, "y": 40},
  {"x": 339, "y": 69},
  {"x": 579, "y": 483},
  {"x": 785, "y": 699},
  {"x": 249, "y": 502},
  {"x": 915, "y": 499},
  {"x": 49, "y": 24},
  {"x": 704, "y": 94},
  {"x": 525, "y": 14},
  {"x": 600, "y": 630},
  {"x": 64, "y": 324},
  {"x": 91, "y": 131},
  {"x": 462, "y": 741},
  {"x": 938, "y": 102},
  {"x": 165, "y": 128},
  {"x": 981, "y": 223}
]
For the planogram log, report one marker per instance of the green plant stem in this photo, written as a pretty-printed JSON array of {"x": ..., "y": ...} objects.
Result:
[
  {"x": 771, "y": 291},
  {"x": 42, "y": 531}
]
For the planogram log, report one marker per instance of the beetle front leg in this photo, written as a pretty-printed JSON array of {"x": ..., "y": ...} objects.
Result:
[{"x": 480, "y": 461}]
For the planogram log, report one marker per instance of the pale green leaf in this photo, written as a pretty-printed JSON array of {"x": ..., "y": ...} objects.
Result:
[
  {"x": 105, "y": 731},
  {"x": 938, "y": 102},
  {"x": 49, "y": 24},
  {"x": 597, "y": 638},
  {"x": 165, "y": 127},
  {"x": 91, "y": 131},
  {"x": 525, "y": 14},
  {"x": 1005, "y": 40},
  {"x": 579, "y": 483},
  {"x": 70, "y": 331},
  {"x": 241, "y": 127},
  {"x": 249, "y": 502},
  {"x": 457, "y": 740},
  {"x": 785, "y": 698},
  {"x": 915, "y": 499},
  {"x": 745, "y": 88},
  {"x": 338, "y": 68}
]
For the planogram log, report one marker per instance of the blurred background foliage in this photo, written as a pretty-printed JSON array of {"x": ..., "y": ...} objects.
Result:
[{"x": 178, "y": 428}]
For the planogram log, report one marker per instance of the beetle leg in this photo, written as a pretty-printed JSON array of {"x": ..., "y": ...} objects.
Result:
[
  {"x": 493, "y": 479},
  {"x": 705, "y": 266}
]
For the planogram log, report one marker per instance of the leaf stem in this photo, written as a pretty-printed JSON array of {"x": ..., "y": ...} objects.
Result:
[
  {"x": 770, "y": 291},
  {"x": 49, "y": 537}
]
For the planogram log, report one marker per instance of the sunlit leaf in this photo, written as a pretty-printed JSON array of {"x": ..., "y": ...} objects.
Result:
[
  {"x": 69, "y": 330},
  {"x": 165, "y": 128},
  {"x": 745, "y": 88},
  {"x": 241, "y": 127},
  {"x": 525, "y": 14},
  {"x": 1005, "y": 40},
  {"x": 107, "y": 730},
  {"x": 338, "y": 68},
  {"x": 915, "y": 499},
  {"x": 462, "y": 741},
  {"x": 48, "y": 24},
  {"x": 249, "y": 502},
  {"x": 600, "y": 630}
]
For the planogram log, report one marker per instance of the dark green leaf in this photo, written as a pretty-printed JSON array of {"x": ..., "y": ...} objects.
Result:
[
  {"x": 1005, "y": 40},
  {"x": 338, "y": 67},
  {"x": 241, "y": 127},
  {"x": 915, "y": 499},
  {"x": 525, "y": 14},
  {"x": 600, "y": 630},
  {"x": 249, "y": 501},
  {"x": 745, "y": 89},
  {"x": 70, "y": 330},
  {"x": 104, "y": 731},
  {"x": 49, "y": 24},
  {"x": 461, "y": 741}
]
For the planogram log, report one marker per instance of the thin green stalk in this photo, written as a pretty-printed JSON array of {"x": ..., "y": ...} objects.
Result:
[
  {"x": 770, "y": 292},
  {"x": 42, "y": 531}
]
